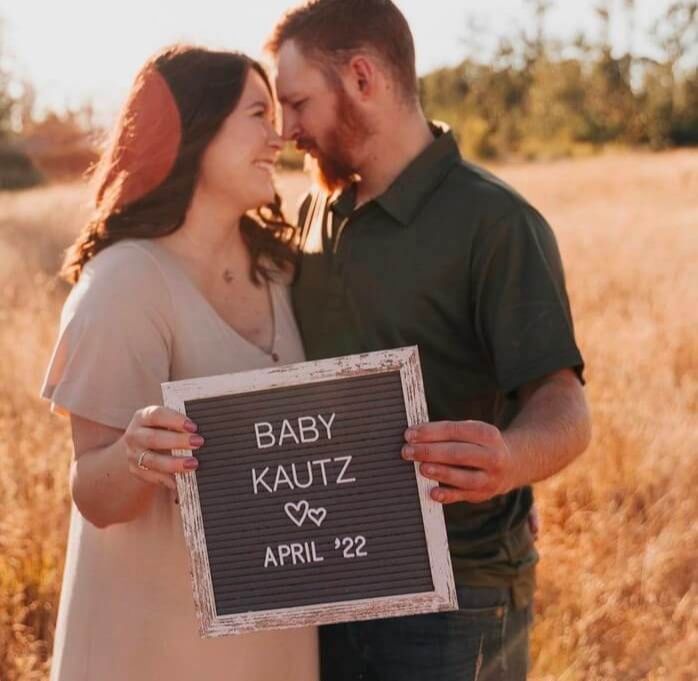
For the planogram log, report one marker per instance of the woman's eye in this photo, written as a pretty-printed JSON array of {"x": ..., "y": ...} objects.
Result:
[{"x": 297, "y": 106}]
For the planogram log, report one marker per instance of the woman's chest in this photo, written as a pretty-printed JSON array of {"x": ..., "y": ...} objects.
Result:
[
  {"x": 210, "y": 340},
  {"x": 247, "y": 309}
]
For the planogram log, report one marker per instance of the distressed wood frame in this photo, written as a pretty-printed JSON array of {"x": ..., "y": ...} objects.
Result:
[{"x": 442, "y": 598}]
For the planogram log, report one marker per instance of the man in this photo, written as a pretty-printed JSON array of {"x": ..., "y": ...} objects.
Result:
[{"x": 410, "y": 245}]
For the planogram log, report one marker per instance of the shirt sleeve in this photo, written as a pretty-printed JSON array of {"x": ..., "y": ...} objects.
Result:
[
  {"x": 521, "y": 308},
  {"x": 114, "y": 342}
]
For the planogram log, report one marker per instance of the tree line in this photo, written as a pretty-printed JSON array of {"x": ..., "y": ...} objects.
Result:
[
  {"x": 530, "y": 96},
  {"x": 536, "y": 96}
]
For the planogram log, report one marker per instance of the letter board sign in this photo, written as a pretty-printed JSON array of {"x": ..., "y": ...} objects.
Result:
[{"x": 302, "y": 510}]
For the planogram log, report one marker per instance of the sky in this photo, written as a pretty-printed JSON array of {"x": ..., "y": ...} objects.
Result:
[{"x": 74, "y": 51}]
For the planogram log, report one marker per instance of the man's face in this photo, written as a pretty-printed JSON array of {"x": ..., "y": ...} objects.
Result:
[{"x": 320, "y": 117}]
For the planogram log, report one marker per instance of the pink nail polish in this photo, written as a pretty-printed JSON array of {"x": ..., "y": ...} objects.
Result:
[
  {"x": 196, "y": 441},
  {"x": 190, "y": 426},
  {"x": 191, "y": 463}
]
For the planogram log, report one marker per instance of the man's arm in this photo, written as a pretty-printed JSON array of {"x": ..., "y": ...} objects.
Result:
[{"x": 475, "y": 461}]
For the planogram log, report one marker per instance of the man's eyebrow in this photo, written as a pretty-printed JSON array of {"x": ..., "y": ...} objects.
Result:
[{"x": 287, "y": 98}]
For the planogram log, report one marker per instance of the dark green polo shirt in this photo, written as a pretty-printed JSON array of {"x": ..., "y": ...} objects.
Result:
[{"x": 454, "y": 261}]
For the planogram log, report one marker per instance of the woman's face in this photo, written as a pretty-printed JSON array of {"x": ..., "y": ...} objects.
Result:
[{"x": 240, "y": 159}]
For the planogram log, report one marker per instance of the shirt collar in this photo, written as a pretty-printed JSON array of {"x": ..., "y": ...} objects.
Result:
[{"x": 416, "y": 182}]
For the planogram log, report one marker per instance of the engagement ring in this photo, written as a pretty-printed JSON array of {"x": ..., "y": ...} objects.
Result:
[{"x": 141, "y": 456}]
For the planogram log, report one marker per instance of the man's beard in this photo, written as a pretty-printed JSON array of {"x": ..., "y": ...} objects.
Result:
[{"x": 332, "y": 167}]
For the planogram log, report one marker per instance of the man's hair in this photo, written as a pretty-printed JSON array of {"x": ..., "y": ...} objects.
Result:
[{"x": 331, "y": 32}]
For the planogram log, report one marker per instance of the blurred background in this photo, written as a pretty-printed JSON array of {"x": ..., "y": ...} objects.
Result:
[{"x": 590, "y": 109}]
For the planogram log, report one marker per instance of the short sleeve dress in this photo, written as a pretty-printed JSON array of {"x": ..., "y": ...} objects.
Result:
[{"x": 126, "y": 610}]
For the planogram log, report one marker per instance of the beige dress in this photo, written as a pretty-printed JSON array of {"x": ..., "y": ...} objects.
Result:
[{"x": 126, "y": 611}]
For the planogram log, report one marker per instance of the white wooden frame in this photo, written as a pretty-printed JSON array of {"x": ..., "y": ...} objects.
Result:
[{"x": 442, "y": 598}]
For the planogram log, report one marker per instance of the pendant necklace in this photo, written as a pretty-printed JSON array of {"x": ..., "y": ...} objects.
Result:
[{"x": 229, "y": 277}]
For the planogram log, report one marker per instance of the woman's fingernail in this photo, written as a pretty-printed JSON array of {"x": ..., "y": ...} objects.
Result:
[
  {"x": 190, "y": 426},
  {"x": 411, "y": 435},
  {"x": 196, "y": 441},
  {"x": 191, "y": 463},
  {"x": 408, "y": 452}
]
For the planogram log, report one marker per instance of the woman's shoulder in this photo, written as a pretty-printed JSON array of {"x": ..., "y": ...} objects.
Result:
[
  {"x": 124, "y": 273},
  {"x": 124, "y": 259}
]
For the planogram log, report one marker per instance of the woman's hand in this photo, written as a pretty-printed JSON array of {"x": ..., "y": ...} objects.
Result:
[{"x": 149, "y": 439}]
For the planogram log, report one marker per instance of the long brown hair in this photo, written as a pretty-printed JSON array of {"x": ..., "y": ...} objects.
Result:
[{"x": 145, "y": 180}]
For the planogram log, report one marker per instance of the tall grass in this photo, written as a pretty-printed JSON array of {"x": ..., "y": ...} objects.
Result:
[{"x": 618, "y": 581}]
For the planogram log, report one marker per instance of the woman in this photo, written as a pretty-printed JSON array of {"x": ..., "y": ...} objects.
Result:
[{"x": 174, "y": 278}]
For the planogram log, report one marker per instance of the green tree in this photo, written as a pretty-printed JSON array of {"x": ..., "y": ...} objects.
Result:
[{"x": 533, "y": 96}]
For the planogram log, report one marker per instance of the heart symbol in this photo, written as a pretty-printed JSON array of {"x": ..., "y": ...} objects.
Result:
[
  {"x": 297, "y": 512},
  {"x": 317, "y": 515}
]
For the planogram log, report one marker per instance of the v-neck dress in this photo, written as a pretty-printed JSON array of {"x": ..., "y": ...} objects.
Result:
[{"x": 126, "y": 611}]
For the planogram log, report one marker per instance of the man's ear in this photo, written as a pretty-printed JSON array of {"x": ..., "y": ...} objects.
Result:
[{"x": 362, "y": 76}]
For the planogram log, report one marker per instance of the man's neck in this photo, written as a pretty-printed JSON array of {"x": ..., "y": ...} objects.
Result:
[{"x": 392, "y": 150}]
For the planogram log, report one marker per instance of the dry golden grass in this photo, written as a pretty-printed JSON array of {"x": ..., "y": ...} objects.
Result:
[{"x": 618, "y": 582}]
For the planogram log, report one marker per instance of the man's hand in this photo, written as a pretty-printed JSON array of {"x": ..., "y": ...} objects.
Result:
[
  {"x": 470, "y": 459},
  {"x": 474, "y": 461}
]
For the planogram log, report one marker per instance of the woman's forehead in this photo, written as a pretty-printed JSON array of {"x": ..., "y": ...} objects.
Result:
[{"x": 255, "y": 89}]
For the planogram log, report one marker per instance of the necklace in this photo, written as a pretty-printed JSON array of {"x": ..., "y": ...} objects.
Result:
[
  {"x": 272, "y": 353},
  {"x": 229, "y": 277}
]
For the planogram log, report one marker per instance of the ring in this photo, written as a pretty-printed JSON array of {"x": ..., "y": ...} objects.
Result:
[{"x": 141, "y": 456}]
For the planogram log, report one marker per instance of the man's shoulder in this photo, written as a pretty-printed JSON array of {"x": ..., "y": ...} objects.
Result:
[
  {"x": 483, "y": 194},
  {"x": 469, "y": 187}
]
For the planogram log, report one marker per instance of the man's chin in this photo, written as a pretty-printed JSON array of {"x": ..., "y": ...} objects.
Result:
[{"x": 327, "y": 175}]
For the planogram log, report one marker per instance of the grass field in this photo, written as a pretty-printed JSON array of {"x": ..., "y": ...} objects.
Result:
[{"x": 618, "y": 581}]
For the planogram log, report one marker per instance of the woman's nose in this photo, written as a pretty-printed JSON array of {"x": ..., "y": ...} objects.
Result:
[{"x": 274, "y": 140}]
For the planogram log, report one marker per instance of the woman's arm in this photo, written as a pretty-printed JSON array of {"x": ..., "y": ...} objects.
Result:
[{"x": 107, "y": 485}]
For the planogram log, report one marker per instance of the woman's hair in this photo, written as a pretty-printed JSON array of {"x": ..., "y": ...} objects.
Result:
[{"x": 145, "y": 180}]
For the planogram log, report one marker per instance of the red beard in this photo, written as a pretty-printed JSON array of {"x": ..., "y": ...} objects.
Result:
[{"x": 332, "y": 166}]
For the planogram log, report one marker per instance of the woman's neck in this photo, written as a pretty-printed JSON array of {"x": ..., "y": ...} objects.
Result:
[{"x": 210, "y": 237}]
